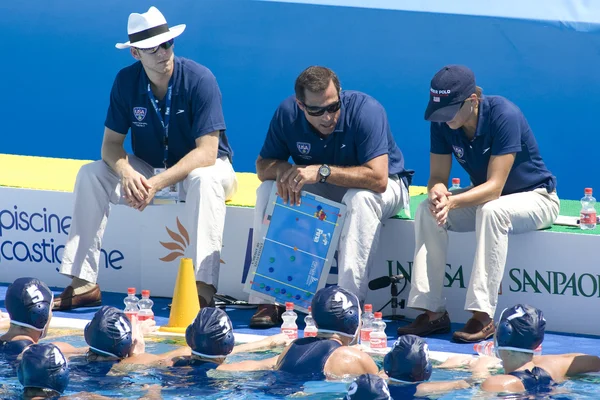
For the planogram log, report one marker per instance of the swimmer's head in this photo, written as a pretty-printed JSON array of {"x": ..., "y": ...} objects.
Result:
[
  {"x": 210, "y": 335},
  {"x": 44, "y": 367},
  {"x": 520, "y": 328},
  {"x": 336, "y": 310},
  {"x": 109, "y": 333},
  {"x": 408, "y": 361},
  {"x": 368, "y": 387},
  {"x": 29, "y": 304}
]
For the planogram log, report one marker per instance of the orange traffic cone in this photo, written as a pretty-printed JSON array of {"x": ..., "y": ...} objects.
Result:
[{"x": 185, "y": 304}]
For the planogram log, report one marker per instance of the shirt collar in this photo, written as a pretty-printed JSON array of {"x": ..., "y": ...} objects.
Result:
[{"x": 175, "y": 78}]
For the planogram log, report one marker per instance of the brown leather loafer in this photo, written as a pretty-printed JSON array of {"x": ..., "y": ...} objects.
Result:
[
  {"x": 422, "y": 326},
  {"x": 267, "y": 316},
  {"x": 474, "y": 332},
  {"x": 69, "y": 301}
]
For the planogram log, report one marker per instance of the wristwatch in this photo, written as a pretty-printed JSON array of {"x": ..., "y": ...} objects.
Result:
[{"x": 324, "y": 172}]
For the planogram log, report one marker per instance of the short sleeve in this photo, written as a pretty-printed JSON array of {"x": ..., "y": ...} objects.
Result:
[
  {"x": 207, "y": 107},
  {"x": 506, "y": 131},
  {"x": 372, "y": 132},
  {"x": 275, "y": 146},
  {"x": 117, "y": 118},
  {"x": 438, "y": 142}
]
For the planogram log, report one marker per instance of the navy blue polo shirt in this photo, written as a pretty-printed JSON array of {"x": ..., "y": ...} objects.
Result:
[
  {"x": 361, "y": 134},
  {"x": 501, "y": 129},
  {"x": 195, "y": 111}
]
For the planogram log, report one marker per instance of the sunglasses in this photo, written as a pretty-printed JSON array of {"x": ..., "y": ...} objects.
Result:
[
  {"x": 166, "y": 45},
  {"x": 318, "y": 111}
]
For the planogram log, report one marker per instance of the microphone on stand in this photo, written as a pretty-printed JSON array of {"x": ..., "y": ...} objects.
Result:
[{"x": 385, "y": 281}]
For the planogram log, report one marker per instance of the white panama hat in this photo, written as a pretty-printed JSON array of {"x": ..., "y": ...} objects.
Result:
[{"x": 149, "y": 29}]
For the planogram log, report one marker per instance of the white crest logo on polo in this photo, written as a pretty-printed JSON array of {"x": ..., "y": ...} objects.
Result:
[
  {"x": 139, "y": 113},
  {"x": 459, "y": 151},
  {"x": 303, "y": 148}
]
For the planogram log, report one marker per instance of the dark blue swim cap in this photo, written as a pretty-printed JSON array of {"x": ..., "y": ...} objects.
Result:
[
  {"x": 43, "y": 366},
  {"x": 520, "y": 328},
  {"x": 210, "y": 334},
  {"x": 408, "y": 361},
  {"x": 336, "y": 310},
  {"x": 368, "y": 387},
  {"x": 29, "y": 302},
  {"x": 109, "y": 333}
]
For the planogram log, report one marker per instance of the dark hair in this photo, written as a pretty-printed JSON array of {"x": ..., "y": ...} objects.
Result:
[{"x": 315, "y": 79}]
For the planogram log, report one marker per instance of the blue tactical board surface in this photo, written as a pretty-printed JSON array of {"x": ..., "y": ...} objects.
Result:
[{"x": 295, "y": 251}]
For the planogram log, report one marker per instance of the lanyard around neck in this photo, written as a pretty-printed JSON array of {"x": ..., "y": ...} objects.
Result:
[{"x": 165, "y": 121}]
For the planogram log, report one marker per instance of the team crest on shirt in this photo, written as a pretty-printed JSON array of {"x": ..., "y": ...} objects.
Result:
[
  {"x": 303, "y": 148},
  {"x": 139, "y": 113},
  {"x": 459, "y": 151}
]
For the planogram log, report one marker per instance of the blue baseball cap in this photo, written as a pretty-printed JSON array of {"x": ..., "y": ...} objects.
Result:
[
  {"x": 336, "y": 310},
  {"x": 29, "y": 302},
  {"x": 368, "y": 387},
  {"x": 109, "y": 333},
  {"x": 210, "y": 335},
  {"x": 408, "y": 361},
  {"x": 520, "y": 328},
  {"x": 450, "y": 86},
  {"x": 43, "y": 366}
]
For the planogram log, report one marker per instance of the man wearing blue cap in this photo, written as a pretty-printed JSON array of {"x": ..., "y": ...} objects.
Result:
[
  {"x": 336, "y": 312},
  {"x": 520, "y": 331},
  {"x": 29, "y": 305},
  {"x": 342, "y": 148},
  {"x": 512, "y": 192},
  {"x": 408, "y": 368},
  {"x": 172, "y": 106}
]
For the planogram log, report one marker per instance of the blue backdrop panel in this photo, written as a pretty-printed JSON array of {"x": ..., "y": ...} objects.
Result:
[{"x": 59, "y": 64}]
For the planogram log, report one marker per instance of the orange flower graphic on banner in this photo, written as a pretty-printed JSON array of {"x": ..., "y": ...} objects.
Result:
[{"x": 181, "y": 242}]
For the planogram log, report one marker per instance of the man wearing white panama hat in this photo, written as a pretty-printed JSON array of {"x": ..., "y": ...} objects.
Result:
[{"x": 173, "y": 107}]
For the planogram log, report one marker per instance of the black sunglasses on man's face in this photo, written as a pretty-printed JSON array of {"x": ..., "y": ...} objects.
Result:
[
  {"x": 166, "y": 45},
  {"x": 318, "y": 111}
]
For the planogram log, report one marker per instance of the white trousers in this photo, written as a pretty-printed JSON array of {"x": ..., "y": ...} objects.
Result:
[
  {"x": 360, "y": 234},
  {"x": 492, "y": 222},
  {"x": 97, "y": 186}
]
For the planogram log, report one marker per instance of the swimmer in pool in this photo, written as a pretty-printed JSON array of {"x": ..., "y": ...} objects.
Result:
[
  {"x": 368, "y": 387},
  {"x": 336, "y": 312},
  {"x": 29, "y": 305}
]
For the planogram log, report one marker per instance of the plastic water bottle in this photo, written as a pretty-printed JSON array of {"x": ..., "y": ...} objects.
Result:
[
  {"x": 145, "y": 306},
  {"x": 587, "y": 218},
  {"x": 487, "y": 348},
  {"x": 289, "y": 317},
  {"x": 455, "y": 184},
  {"x": 311, "y": 328},
  {"x": 378, "y": 338},
  {"x": 131, "y": 304},
  {"x": 367, "y": 325}
]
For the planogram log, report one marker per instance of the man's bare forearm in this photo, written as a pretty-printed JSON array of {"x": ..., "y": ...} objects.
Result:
[
  {"x": 360, "y": 177},
  {"x": 196, "y": 158},
  {"x": 267, "y": 168},
  {"x": 115, "y": 156}
]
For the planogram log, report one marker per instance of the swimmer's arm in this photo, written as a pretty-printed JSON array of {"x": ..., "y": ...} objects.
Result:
[
  {"x": 349, "y": 361},
  {"x": 426, "y": 388},
  {"x": 503, "y": 384},
  {"x": 281, "y": 339},
  {"x": 250, "y": 365},
  {"x": 70, "y": 350},
  {"x": 580, "y": 364}
]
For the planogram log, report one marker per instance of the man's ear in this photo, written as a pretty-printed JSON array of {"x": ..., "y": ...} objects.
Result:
[
  {"x": 300, "y": 104},
  {"x": 135, "y": 53}
]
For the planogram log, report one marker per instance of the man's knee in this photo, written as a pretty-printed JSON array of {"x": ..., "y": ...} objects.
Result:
[
  {"x": 264, "y": 189},
  {"x": 423, "y": 210},
  {"x": 491, "y": 209},
  {"x": 356, "y": 199},
  {"x": 205, "y": 177}
]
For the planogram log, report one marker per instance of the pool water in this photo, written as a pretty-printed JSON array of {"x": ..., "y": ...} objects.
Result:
[{"x": 187, "y": 383}]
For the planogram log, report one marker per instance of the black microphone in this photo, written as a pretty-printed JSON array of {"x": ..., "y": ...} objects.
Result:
[{"x": 385, "y": 281}]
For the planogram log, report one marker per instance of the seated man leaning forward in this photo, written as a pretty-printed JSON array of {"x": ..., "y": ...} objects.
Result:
[
  {"x": 336, "y": 312},
  {"x": 342, "y": 148},
  {"x": 521, "y": 330},
  {"x": 173, "y": 107},
  {"x": 512, "y": 192}
]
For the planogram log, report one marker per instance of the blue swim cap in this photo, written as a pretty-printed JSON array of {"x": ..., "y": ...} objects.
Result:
[
  {"x": 210, "y": 335},
  {"x": 336, "y": 310},
  {"x": 408, "y": 361},
  {"x": 29, "y": 301},
  {"x": 520, "y": 328},
  {"x": 109, "y": 333},
  {"x": 43, "y": 366},
  {"x": 368, "y": 387}
]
